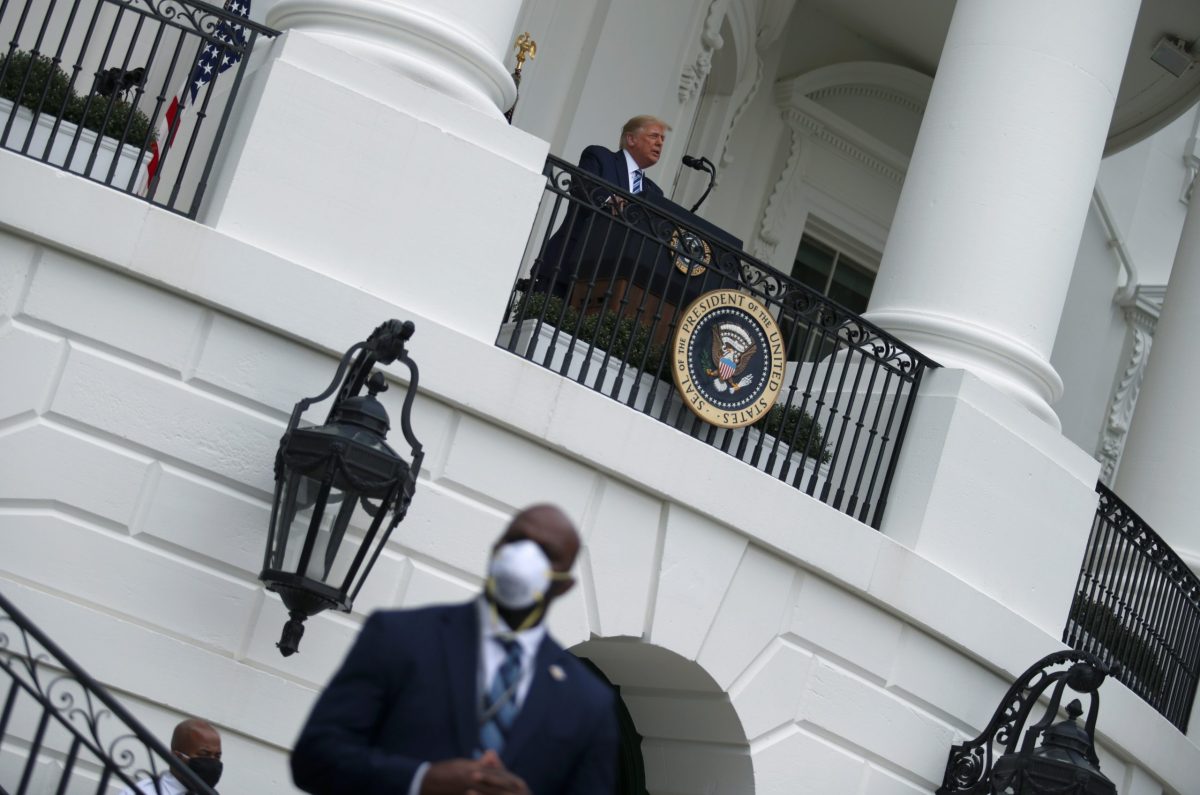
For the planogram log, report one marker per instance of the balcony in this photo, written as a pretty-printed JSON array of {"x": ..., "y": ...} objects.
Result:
[
  {"x": 611, "y": 277},
  {"x": 1137, "y": 606},
  {"x": 136, "y": 95},
  {"x": 62, "y": 731}
]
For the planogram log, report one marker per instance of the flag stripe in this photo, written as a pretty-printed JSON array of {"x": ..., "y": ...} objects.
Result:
[{"x": 205, "y": 70}]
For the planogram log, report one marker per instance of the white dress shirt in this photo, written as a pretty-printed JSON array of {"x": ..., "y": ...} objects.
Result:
[
  {"x": 491, "y": 655},
  {"x": 632, "y": 165},
  {"x": 491, "y": 629}
]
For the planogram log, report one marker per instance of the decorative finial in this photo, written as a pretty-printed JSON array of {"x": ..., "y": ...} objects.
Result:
[{"x": 526, "y": 48}]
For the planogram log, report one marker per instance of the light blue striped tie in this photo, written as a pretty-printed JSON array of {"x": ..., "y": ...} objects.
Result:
[
  {"x": 500, "y": 705},
  {"x": 636, "y": 187}
]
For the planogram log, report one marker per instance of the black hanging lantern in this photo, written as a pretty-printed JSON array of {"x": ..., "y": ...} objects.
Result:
[
  {"x": 340, "y": 489},
  {"x": 1064, "y": 763}
]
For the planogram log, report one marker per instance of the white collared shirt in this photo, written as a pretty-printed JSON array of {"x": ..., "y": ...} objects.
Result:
[
  {"x": 167, "y": 785},
  {"x": 632, "y": 166},
  {"x": 491, "y": 629},
  {"x": 491, "y": 656}
]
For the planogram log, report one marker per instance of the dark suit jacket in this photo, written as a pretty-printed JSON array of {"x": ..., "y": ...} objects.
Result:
[
  {"x": 407, "y": 694},
  {"x": 611, "y": 167},
  {"x": 588, "y": 231}
]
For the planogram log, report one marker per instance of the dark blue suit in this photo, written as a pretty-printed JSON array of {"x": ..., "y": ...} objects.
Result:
[
  {"x": 589, "y": 226},
  {"x": 612, "y": 167},
  {"x": 407, "y": 694}
]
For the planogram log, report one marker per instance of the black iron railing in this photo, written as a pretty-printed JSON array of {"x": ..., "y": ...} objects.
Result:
[
  {"x": 60, "y": 731},
  {"x": 1138, "y": 604},
  {"x": 135, "y": 94},
  {"x": 611, "y": 274}
]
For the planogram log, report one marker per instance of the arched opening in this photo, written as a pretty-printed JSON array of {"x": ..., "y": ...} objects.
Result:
[
  {"x": 689, "y": 736},
  {"x": 850, "y": 129}
]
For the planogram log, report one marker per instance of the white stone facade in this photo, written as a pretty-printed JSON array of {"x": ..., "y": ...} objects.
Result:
[{"x": 787, "y": 645}]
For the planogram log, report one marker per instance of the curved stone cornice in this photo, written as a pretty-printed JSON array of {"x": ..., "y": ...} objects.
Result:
[
  {"x": 899, "y": 85},
  {"x": 798, "y": 98},
  {"x": 806, "y": 118},
  {"x": 881, "y": 93}
]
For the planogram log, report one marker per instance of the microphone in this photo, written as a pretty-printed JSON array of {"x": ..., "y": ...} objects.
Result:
[{"x": 705, "y": 165}]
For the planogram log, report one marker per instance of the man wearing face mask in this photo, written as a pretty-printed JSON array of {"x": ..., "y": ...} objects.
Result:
[
  {"x": 475, "y": 698},
  {"x": 198, "y": 745}
]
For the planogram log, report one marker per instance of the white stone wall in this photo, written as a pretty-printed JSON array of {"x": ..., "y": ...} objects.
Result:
[{"x": 764, "y": 635}]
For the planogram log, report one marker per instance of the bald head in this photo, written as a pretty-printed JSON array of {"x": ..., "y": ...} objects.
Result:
[
  {"x": 195, "y": 737},
  {"x": 548, "y": 527}
]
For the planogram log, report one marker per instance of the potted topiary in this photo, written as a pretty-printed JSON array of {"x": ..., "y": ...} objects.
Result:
[
  {"x": 603, "y": 341},
  {"x": 598, "y": 344},
  {"x": 35, "y": 94}
]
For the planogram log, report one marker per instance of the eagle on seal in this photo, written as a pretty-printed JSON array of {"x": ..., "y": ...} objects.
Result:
[{"x": 732, "y": 350}]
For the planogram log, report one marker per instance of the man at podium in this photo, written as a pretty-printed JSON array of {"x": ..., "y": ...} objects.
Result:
[
  {"x": 642, "y": 140},
  {"x": 623, "y": 246},
  {"x": 640, "y": 147}
]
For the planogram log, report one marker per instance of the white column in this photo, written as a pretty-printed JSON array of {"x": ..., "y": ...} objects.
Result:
[
  {"x": 1164, "y": 436},
  {"x": 1157, "y": 475},
  {"x": 457, "y": 47},
  {"x": 371, "y": 148},
  {"x": 979, "y": 257}
]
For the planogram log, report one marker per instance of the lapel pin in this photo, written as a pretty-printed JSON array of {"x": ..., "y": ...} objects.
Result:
[{"x": 557, "y": 673}]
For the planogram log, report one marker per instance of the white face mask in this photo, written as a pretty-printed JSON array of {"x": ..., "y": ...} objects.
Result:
[{"x": 519, "y": 575}]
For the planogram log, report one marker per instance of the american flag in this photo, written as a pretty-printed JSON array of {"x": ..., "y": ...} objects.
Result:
[{"x": 213, "y": 60}]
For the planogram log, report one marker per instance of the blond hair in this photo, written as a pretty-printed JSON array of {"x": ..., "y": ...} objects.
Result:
[{"x": 637, "y": 124}]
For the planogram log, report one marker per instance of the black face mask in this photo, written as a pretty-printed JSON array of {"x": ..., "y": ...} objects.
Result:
[{"x": 206, "y": 768}]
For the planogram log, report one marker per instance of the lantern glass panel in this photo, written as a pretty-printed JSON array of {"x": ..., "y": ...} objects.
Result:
[{"x": 330, "y": 559}]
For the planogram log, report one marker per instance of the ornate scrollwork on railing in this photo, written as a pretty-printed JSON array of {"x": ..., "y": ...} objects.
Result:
[
  {"x": 1138, "y": 603},
  {"x": 200, "y": 18},
  {"x": 1149, "y": 544},
  {"x": 662, "y": 229},
  {"x": 559, "y": 181},
  {"x": 727, "y": 264},
  {"x": 104, "y": 735}
]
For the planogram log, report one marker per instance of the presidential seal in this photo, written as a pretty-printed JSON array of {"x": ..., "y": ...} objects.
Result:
[
  {"x": 693, "y": 255},
  {"x": 727, "y": 358}
]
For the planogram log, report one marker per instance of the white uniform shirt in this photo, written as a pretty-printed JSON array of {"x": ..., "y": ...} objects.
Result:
[{"x": 167, "y": 785}]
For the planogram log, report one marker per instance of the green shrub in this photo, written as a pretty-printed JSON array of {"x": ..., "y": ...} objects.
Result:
[
  {"x": 46, "y": 77},
  {"x": 598, "y": 329},
  {"x": 796, "y": 428},
  {"x": 1107, "y": 630}
]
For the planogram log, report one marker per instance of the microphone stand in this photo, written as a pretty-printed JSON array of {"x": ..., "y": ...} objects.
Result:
[{"x": 712, "y": 180}]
